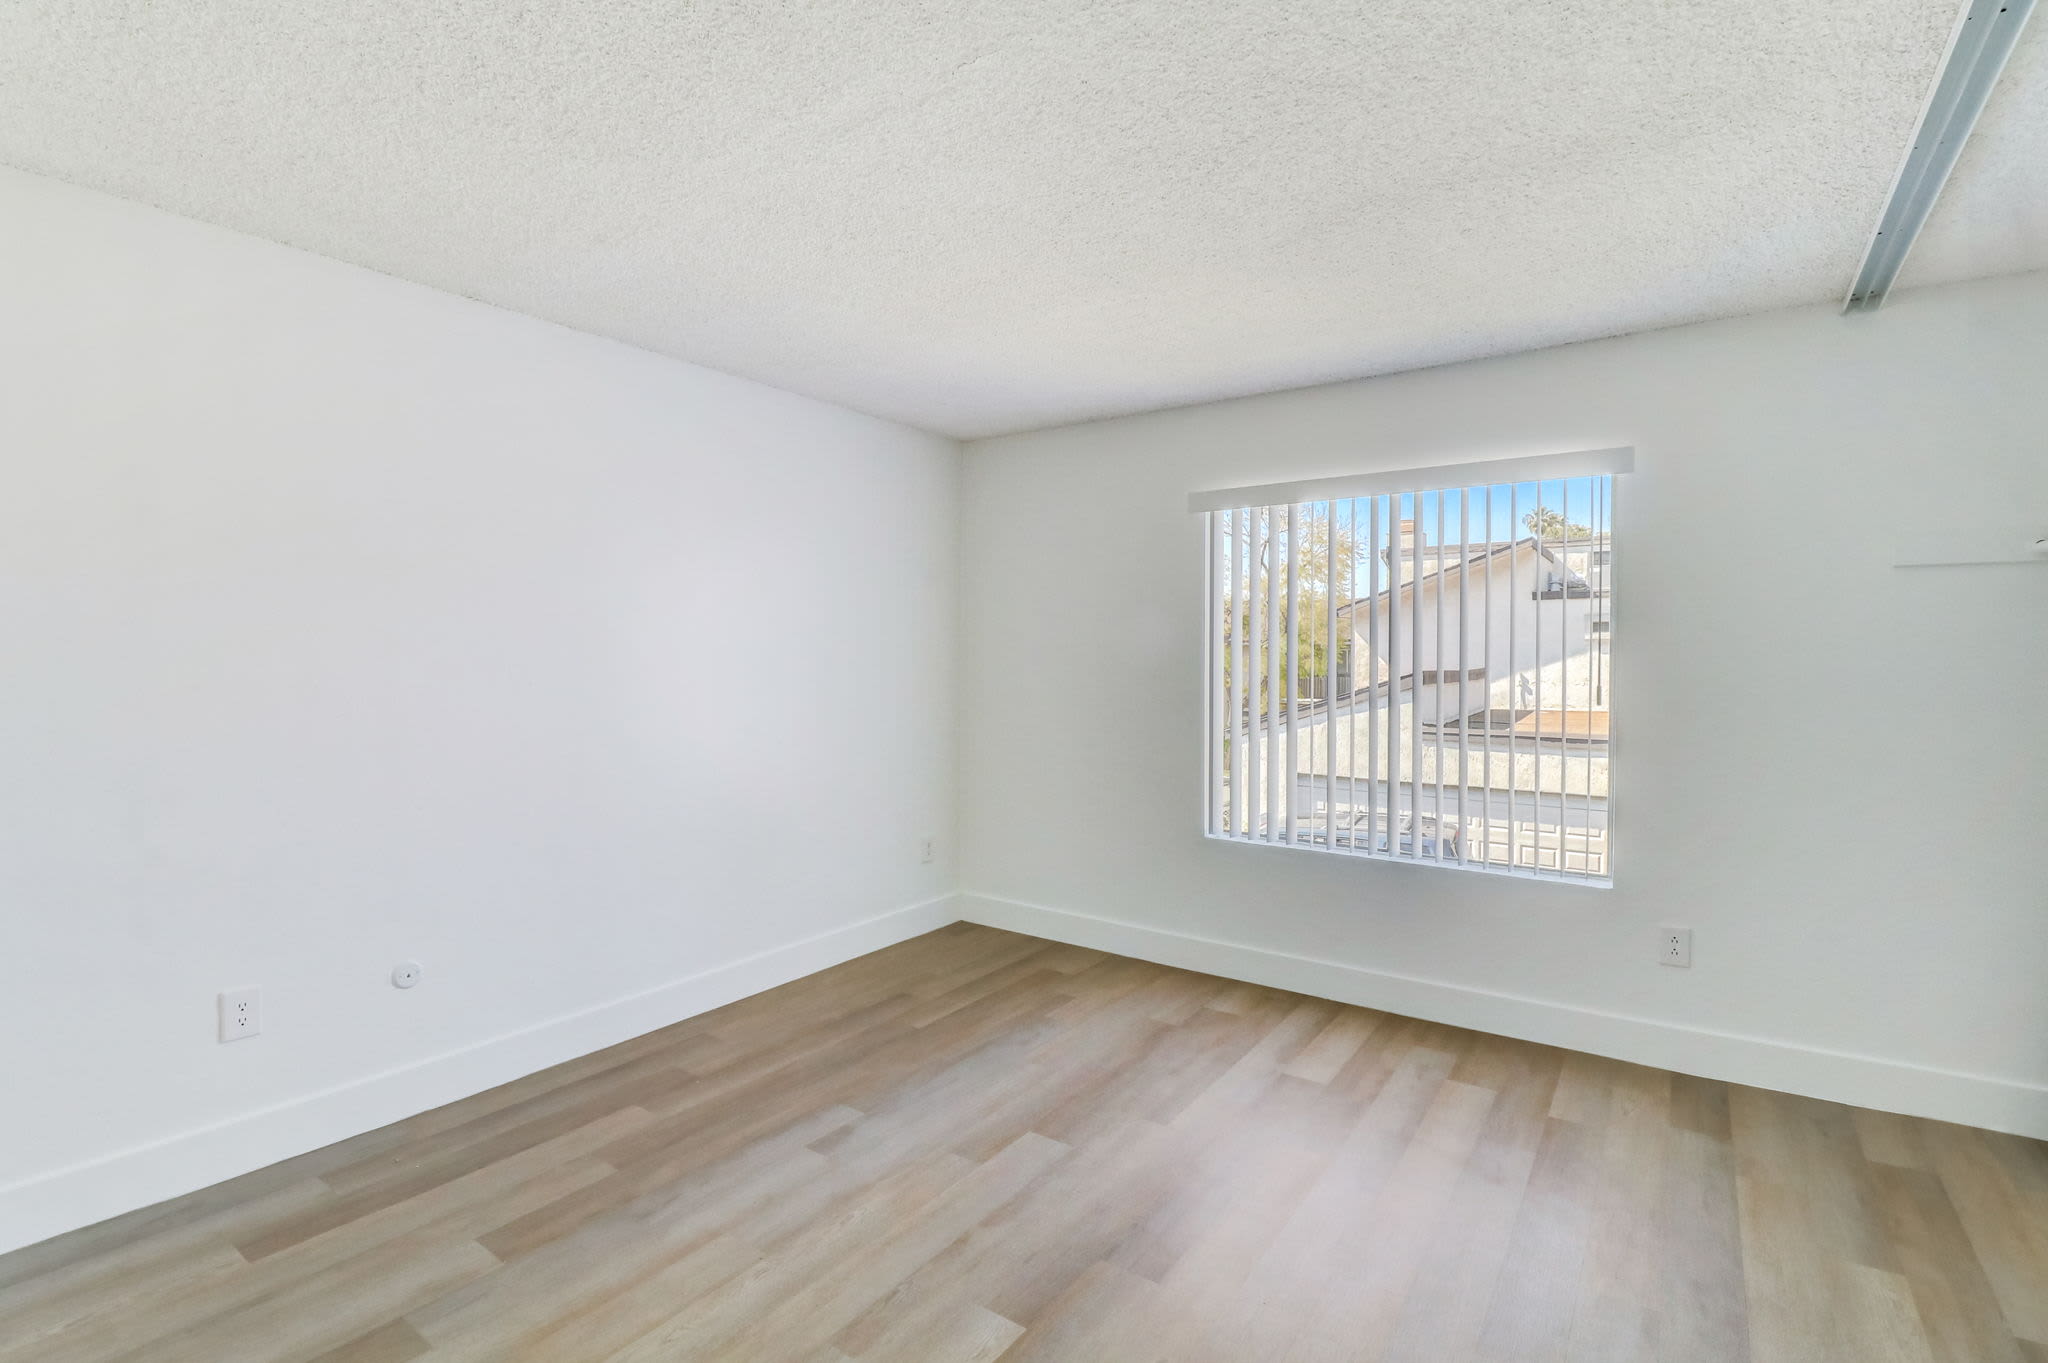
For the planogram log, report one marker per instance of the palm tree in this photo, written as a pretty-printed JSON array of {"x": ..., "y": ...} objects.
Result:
[{"x": 1551, "y": 525}]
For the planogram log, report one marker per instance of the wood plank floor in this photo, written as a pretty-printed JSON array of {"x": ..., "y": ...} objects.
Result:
[{"x": 979, "y": 1146}]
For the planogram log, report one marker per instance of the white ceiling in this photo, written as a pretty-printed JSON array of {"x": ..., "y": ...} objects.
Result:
[
  {"x": 1993, "y": 217},
  {"x": 986, "y": 215}
]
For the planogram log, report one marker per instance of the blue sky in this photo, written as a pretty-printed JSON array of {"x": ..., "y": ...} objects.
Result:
[
  {"x": 1573, "y": 496},
  {"x": 1583, "y": 500}
]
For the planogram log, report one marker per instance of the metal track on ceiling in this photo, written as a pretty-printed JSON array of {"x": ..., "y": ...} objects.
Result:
[{"x": 1983, "y": 38}]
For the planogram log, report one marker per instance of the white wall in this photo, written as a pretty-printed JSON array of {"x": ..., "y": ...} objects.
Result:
[
  {"x": 1800, "y": 750},
  {"x": 346, "y": 621}
]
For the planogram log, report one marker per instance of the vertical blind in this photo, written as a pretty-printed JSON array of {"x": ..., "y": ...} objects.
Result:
[{"x": 1419, "y": 673}]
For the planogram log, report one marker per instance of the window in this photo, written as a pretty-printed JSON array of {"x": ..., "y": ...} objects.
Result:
[
  {"x": 1430, "y": 676},
  {"x": 1415, "y": 666}
]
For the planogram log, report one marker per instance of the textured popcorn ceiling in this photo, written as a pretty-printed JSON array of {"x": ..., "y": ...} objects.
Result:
[
  {"x": 981, "y": 217},
  {"x": 1993, "y": 217}
]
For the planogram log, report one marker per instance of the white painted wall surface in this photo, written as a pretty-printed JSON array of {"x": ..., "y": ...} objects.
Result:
[
  {"x": 1799, "y": 749},
  {"x": 346, "y": 621}
]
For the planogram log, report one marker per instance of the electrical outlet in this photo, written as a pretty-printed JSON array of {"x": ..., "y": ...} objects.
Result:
[
  {"x": 1674, "y": 946},
  {"x": 241, "y": 1014},
  {"x": 929, "y": 851}
]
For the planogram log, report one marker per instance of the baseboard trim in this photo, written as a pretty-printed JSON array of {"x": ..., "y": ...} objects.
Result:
[
  {"x": 66, "y": 1199},
  {"x": 83, "y": 1194},
  {"x": 1988, "y": 1101}
]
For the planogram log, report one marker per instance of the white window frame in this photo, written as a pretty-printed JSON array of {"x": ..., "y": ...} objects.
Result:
[{"x": 1231, "y": 802}]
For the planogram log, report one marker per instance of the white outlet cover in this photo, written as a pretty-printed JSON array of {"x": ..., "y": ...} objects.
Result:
[
  {"x": 241, "y": 1014},
  {"x": 406, "y": 974}
]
